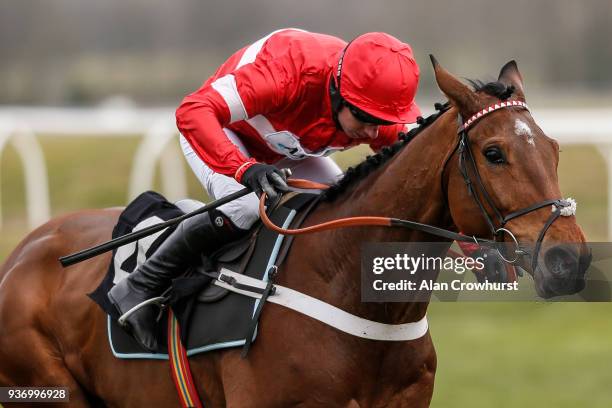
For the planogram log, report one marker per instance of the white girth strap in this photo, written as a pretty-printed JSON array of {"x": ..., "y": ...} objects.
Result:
[{"x": 328, "y": 314}]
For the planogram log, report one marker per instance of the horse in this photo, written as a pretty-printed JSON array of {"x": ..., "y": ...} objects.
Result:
[{"x": 51, "y": 334}]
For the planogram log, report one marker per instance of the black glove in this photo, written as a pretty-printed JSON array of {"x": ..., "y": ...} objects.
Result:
[{"x": 263, "y": 177}]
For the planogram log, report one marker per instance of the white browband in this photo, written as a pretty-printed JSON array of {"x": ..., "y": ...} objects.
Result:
[
  {"x": 326, "y": 313},
  {"x": 493, "y": 108}
]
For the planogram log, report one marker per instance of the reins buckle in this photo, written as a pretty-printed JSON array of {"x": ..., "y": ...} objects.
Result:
[{"x": 517, "y": 251}]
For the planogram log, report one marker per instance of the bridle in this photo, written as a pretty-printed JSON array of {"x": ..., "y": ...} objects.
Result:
[
  {"x": 497, "y": 222},
  {"x": 559, "y": 207}
]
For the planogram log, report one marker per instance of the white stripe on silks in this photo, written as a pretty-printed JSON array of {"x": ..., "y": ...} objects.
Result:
[
  {"x": 251, "y": 52},
  {"x": 226, "y": 86},
  {"x": 261, "y": 124},
  {"x": 328, "y": 314}
]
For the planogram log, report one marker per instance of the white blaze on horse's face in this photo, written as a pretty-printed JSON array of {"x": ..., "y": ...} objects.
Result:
[{"x": 521, "y": 128}]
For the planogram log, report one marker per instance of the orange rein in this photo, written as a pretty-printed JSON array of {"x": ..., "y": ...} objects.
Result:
[{"x": 339, "y": 223}]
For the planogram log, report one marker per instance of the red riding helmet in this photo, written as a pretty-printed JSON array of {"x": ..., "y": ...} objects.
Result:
[{"x": 377, "y": 74}]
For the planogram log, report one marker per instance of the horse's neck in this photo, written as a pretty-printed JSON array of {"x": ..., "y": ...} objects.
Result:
[{"x": 407, "y": 187}]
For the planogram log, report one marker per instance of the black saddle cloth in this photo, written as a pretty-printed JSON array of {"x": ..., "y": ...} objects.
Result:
[{"x": 210, "y": 317}]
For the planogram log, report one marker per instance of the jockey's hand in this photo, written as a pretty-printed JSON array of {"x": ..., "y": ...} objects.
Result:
[{"x": 264, "y": 177}]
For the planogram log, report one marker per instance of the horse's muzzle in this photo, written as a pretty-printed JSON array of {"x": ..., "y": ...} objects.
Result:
[{"x": 563, "y": 271}]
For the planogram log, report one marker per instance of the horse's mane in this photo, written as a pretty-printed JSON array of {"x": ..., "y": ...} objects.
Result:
[
  {"x": 373, "y": 162},
  {"x": 496, "y": 88}
]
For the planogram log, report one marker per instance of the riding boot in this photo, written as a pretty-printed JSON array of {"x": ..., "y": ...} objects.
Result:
[{"x": 194, "y": 237}]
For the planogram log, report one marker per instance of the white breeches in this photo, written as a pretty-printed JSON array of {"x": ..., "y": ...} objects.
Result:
[{"x": 244, "y": 211}]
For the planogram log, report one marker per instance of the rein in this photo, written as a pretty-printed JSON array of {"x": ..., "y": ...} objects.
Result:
[
  {"x": 361, "y": 222},
  {"x": 560, "y": 207}
]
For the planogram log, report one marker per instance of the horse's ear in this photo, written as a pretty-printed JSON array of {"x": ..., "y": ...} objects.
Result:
[
  {"x": 510, "y": 75},
  {"x": 458, "y": 93}
]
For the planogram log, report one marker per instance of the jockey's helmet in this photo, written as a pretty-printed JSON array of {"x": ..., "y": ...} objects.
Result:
[{"x": 376, "y": 77}]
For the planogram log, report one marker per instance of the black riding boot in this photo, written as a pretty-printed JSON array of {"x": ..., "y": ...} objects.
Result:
[{"x": 194, "y": 237}]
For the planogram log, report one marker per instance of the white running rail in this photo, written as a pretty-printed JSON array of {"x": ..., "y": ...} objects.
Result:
[{"x": 18, "y": 125}]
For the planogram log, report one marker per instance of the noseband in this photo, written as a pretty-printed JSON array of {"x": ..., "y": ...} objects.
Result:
[{"x": 497, "y": 222}]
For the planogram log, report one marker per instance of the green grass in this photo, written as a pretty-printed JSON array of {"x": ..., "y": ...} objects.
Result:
[
  {"x": 83, "y": 173},
  {"x": 522, "y": 354},
  {"x": 94, "y": 173},
  {"x": 489, "y": 354},
  {"x": 583, "y": 175}
]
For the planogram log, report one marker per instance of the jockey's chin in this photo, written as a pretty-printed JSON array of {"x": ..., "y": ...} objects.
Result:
[{"x": 360, "y": 137}]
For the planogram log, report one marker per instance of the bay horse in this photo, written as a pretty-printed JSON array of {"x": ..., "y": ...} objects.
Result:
[{"x": 51, "y": 334}]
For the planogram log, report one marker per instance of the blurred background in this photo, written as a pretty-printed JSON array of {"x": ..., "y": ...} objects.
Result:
[{"x": 88, "y": 90}]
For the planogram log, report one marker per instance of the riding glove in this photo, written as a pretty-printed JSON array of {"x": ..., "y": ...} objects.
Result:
[{"x": 264, "y": 177}]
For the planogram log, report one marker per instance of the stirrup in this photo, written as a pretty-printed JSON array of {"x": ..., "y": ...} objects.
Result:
[{"x": 159, "y": 301}]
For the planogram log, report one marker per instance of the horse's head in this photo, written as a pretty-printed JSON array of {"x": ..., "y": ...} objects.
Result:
[{"x": 504, "y": 175}]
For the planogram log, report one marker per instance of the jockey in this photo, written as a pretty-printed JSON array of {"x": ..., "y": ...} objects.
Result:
[{"x": 286, "y": 101}]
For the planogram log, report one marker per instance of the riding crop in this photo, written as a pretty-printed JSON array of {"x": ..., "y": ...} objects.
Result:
[{"x": 136, "y": 235}]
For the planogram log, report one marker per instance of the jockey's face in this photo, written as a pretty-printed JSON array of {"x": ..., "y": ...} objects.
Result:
[{"x": 356, "y": 129}]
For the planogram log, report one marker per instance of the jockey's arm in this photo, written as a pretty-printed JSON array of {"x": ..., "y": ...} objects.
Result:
[{"x": 244, "y": 93}]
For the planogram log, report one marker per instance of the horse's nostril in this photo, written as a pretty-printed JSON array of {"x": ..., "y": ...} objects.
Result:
[{"x": 561, "y": 262}]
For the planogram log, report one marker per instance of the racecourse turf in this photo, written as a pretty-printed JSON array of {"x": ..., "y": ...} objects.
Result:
[{"x": 489, "y": 354}]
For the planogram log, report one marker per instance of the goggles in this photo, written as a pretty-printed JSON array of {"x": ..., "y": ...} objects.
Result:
[{"x": 365, "y": 117}]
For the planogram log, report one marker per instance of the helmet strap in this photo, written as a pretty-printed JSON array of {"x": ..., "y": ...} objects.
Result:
[
  {"x": 334, "y": 95},
  {"x": 337, "y": 101}
]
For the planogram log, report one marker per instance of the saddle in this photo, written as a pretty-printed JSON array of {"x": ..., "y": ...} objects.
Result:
[{"x": 210, "y": 317}]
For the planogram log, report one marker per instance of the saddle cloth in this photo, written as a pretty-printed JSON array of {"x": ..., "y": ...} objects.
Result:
[{"x": 210, "y": 317}]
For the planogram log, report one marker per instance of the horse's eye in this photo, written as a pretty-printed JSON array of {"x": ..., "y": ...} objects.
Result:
[{"x": 494, "y": 155}]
